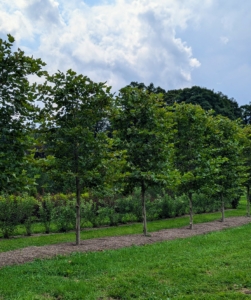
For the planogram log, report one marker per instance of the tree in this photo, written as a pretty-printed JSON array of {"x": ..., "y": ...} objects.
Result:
[
  {"x": 74, "y": 108},
  {"x": 226, "y": 150},
  {"x": 246, "y": 113},
  {"x": 192, "y": 158},
  {"x": 142, "y": 127},
  {"x": 246, "y": 159},
  {"x": 17, "y": 109},
  {"x": 207, "y": 99}
]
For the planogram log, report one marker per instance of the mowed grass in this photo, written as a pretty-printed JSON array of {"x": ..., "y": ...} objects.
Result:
[
  {"x": 212, "y": 266},
  {"x": 136, "y": 228}
]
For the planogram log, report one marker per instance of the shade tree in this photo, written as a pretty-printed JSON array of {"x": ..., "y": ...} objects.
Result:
[
  {"x": 74, "y": 106},
  {"x": 226, "y": 149},
  {"x": 246, "y": 159},
  {"x": 17, "y": 114},
  {"x": 192, "y": 156},
  {"x": 143, "y": 128}
]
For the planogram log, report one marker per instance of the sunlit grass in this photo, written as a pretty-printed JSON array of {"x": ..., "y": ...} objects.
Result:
[{"x": 212, "y": 266}]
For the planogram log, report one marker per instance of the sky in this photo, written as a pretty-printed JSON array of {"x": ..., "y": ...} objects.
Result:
[{"x": 171, "y": 43}]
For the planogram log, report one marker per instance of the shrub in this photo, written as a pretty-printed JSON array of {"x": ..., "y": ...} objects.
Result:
[
  {"x": 10, "y": 214},
  {"x": 154, "y": 209},
  {"x": 106, "y": 216},
  {"x": 88, "y": 213},
  {"x": 128, "y": 217},
  {"x": 64, "y": 216},
  {"x": 28, "y": 204},
  {"x": 130, "y": 204},
  {"x": 46, "y": 207}
]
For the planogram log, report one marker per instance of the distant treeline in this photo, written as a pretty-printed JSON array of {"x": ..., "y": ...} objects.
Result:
[{"x": 207, "y": 99}]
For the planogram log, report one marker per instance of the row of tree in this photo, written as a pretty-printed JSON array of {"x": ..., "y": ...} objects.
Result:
[{"x": 83, "y": 137}]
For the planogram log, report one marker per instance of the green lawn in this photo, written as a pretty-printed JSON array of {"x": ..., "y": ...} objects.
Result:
[
  {"x": 211, "y": 266},
  {"x": 21, "y": 242}
]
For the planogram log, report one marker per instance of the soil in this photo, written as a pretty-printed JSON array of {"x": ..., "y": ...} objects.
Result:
[{"x": 28, "y": 254}]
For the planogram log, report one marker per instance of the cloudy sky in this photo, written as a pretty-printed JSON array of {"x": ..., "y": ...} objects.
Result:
[{"x": 171, "y": 43}]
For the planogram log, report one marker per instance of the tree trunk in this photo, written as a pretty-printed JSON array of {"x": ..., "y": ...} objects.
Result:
[
  {"x": 78, "y": 206},
  {"x": 190, "y": 195},
  {"x": 248, "y": 201},
  {"x": 222, "y": 209},
  {"x": 143, "y": 190}
]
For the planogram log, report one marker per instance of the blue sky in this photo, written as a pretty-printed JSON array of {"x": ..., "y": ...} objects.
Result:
[{"x": 172, "y": 43}]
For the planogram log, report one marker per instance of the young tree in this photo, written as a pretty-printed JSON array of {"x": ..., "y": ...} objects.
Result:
[
  {"x": 75, "y": 109},
  {"x": 143, "y": 127},
  {"x": 191, "y": 154},
  {"x": 17, "y": 110},
  {"x": 246, "y": 159},
  {"x": 226, "y": 150}
]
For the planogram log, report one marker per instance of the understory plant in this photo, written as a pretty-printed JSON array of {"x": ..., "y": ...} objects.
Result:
[
  {"x": 28, "y": 204},
  {"x": 64, "y": 216},
  {"x": 46, "y": 211},
  {"x": 10, "y": 214}
]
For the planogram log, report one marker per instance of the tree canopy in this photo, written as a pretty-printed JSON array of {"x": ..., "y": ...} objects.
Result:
[
  {"x": 17, "y": 112},
  {"x": 142, "y": 128},
  {"x": 73, "y": 108},
  {"x": 207, "y": 99}
]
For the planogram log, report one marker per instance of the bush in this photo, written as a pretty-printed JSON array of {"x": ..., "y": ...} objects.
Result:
[
  {"x": 64, "y": 216},
  {"x": 235, "y": 202},
  {"x": 128, "y": 217},
  {"x": 107, "y": 216},
  {"x": 10, "y": 214},
  {"x": 88, "y": 213},
  {"x": 46, "y": 207},
  {"x": 130, "y": 204},
  {"x": 28, "y": 205}
]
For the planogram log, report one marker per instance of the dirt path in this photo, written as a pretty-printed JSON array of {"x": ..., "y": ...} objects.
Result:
[{"x": 30, "y": 253}]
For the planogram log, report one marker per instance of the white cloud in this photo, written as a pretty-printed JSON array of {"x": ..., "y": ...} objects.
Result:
[
  {"x": 224, "y": 40},
  {"x": 120, "y": 42}
]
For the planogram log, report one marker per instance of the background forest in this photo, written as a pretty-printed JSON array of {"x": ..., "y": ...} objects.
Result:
[{"x": 72, "y": 154}]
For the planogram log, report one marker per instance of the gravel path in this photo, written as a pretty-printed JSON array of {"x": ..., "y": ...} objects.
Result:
[{"x": 30, "y": 253}]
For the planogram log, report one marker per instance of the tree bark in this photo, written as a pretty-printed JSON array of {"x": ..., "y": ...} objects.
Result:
[
  {"x": 143, "y": 190},
  {"x": 190, "y": 195},
  {"x": 248, "y": 201},
  {"x": 78, "y": 206},
  {"x": 222, "y": 209}
]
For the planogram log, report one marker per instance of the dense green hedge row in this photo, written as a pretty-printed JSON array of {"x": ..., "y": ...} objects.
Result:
[{"x": 59, "y": 209}]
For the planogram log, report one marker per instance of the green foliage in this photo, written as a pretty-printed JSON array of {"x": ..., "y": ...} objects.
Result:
[
  {"x": 136, "y": 228},
  {"x": 142, "y": 127},
  {"x": 17, "y": 113},
  {"x": 75, "y": 108},
  {"x": 15, "y": 210},
  {"x": 207, "y": 99},
  {"x": 28, "y": 205},
  {"x": 246, "y": 113},
  {"x": 226, "y": 149},
  {"x": 130, "y": 205},
  {"x": 192, "y": 158},
  {"x": 63, "y": 215},
  {"x": 73, "y": 124},
  {"x": 46, "y": 207},
  {"x": 88, "y": 213},
  {"x": 10, "y": 214}
]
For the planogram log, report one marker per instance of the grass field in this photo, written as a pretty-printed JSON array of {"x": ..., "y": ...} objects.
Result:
[
  {"x": 211, "y": 266},
  {"x": 21, "y": 242}
]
